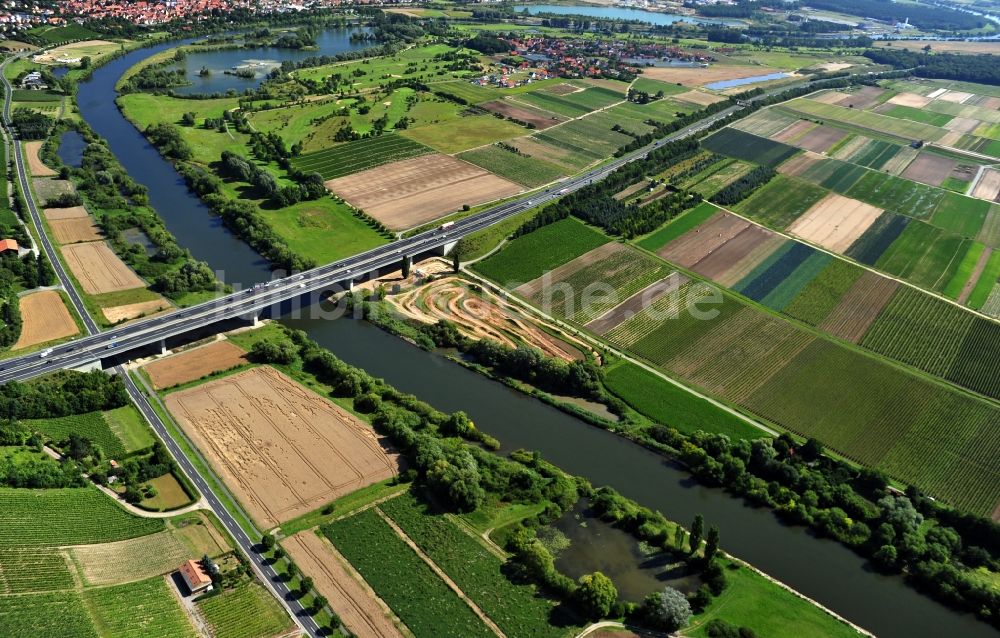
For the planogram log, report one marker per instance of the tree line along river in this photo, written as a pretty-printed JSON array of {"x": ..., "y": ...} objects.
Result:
[{"x": 818, "y": 568}]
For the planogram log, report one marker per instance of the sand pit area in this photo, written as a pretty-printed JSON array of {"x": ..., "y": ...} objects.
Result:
[
  {"x": 282, "y": 449},
  {"x": 194, "y": 364},
  {"x": 930, "y": 169},
  {"x": 75, "y": 229},
  {"x": 45, "y": 318},
  {"x": 481, "y": 316},
  {"x": 68, "y": 53},
  {"x": 35, "y": 164},
  {"x": 73, "y": 212},
  {"x": 988, "y": 186},
  {"x": 412, "y": 192},
  {"x": 909, "y": 99},
  {"x": 98, "y": 268},
  {"x": 835, "y": 222},
  {"x": 698, "y": 76},
  {"x": 362, "y": 611},
  {"x": 524, "y": 113},
  {"x": 114, "y": 314}
]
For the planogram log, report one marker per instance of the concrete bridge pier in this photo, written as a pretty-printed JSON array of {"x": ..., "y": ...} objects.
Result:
[
  {"x": 163, "y": 346},
  {"x": 446, "y": 248}
]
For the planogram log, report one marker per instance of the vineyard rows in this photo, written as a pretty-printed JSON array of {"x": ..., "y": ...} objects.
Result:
[
  {"x": 248, "y": 611},
  {"x": 139, "y": 610},
  {"x": 33, "y": 569},
  {"x": 36, "y": 615},
  {"x": 91, "y": 425},
  {"x": 359, "y": 155}
]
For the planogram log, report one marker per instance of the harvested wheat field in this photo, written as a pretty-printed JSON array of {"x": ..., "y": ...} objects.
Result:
[
  {"x": 988, "y": 186},
  {"x": 362, "y": 611},
  {"x": 194, "y": 364},
  {"x": 76, "y": 229},
  {"x": 115, "y": 314},
  {"x": 799, "y": 164},
  {"x": 98, "y": 268},
  {"x": 698, "y": 97},
  {"x": 835, "y": 222},
  {"x": 45, "y": 318},
  {"x": 957, "y": 97},
  {"x": 851, "y": 147},
  {"x": 863, "y": 98},
  {"x": 541, "y": 119},
  {"x": 859, "y": 307},
  {"x": 694, "y": 245},
  {"x": 35, "y": 163},
  {"x": 962, "y": 124},
  {"x": 909, "y": 99},
  {"x": 930, "y": 169},
  {"x": 480, "y": 316},
  {"x": 793, "y": 131},
  {"x": 697, "y": 76},
  {"x": 282, "y": 449},
  {"x": 59, "y": 214},
  {"x": 412, "y": 192},
  {"x": 821, "y": 138},
  {"x": 830, "y": 97}
]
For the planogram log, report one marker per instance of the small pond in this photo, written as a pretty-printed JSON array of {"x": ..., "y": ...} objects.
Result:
[
  {"x": 621, "y": 13},
  {"x": 636, "y": 569},
  {"x": 71, "y": 147},
  {"x": 138, "y": 237},
  {"x": 728, "y": 84}
]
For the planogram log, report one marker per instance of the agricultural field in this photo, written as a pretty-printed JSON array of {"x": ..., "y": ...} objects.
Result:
[
  {"x": 574, "y": 104},
  {"x": 323, "y": 230},
  {"x": 415, "y": 593},
  {"x": 351, "y": 157},
  {"x": 749, "y": 147},
  {"x": 866, "y": 120},
  {"x": 33, "y": 569},
  {"x": 517, "y": 609},
  {"x": 248, "y": 611},
  {"x": 98, "y": 269},
  {"x": 818, "y": 298},
  {"x": 137, "y": 610},
  {"x": 464, "y": 132},
  {"x": 45, "y": 614},
  {"x": 68, "y": 516},
  {"x": 835, "y": 222},
  {"x": 45, "y": 318},
  {"x": 781, "y": 201},
  {"x": 271, "y": 441},
  {"x": 36, "y": 166},
  {"x": 56, "y": 35},
  {"x": 195, "y": 363},
  {"x": 66, "y": 54},
  {"x": 516, "y": 167},
  {"x": 92, "y": 425},
  {"x": 677, "y": 227},
  {"x": 537, "y": 117},
  {"x": 529, "y": 256},
  {"x": 413, "y": 192}
]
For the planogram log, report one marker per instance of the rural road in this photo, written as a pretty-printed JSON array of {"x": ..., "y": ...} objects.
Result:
[{"x": 246, "y": 544}]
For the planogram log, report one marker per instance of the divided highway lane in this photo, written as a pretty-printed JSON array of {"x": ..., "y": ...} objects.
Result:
[{"x": 243, "y": 303}]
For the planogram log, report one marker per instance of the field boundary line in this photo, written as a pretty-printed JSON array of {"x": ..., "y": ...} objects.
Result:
[
  {"x": 484, "y": 540},
  {"x": 440, "y": 573}
]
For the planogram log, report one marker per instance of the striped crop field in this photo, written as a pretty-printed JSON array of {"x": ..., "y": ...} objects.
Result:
[
  {"x": 781, "y": 201},
  {"x": 28, "y": 569},
  {"x": 882, "y": 124},
  {"x": 745, "y": 146},
  {"x": 820, "y": 296},
  {"x": 352, "y": 157}
]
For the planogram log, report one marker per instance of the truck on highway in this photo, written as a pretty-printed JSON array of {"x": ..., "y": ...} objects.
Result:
[
  {"x": 446, "y": 225},
  {"x": 44, "y": 353}
]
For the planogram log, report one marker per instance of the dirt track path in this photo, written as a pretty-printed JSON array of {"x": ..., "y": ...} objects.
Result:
[
  {"x": 977, "y": 271},
  {"x": 443, "y": 576}
]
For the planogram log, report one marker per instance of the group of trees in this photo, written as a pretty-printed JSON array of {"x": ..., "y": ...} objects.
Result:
[
  {"x": 30, "y": 124},
  {"x": 983, "y": 68},
  {"x": 154, "y": 77},
  {"x": 245, "y": 219},
  {"x": 168, "y": 139},
  {"x": 309, "y": 185},
  {"x": 62, "y": 394},
  {"x": 740, "y": 189}
]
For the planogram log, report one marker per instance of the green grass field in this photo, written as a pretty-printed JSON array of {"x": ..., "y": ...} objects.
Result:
[
  {"x": 781, "y": 201},
  {"x": 71, "y": 516},
  {"x": 677, "y": 227},
  {"x": 960, "y": 214},
  {"x": 987, "y": 279},
  {"x": 821, "y": 295},
  {"x": 918, "y": 115},
  {"x": 654, "y": 86},
  {"x": 517, "y": 609},
  {"x": 528, "y": 256},
  {"x": 422, "y": 601},
  {"x": 526, "y": 171},
  {"x": 323, "y": 230},
  {"x": 956, "y": 284},
  {"x": 464, "y": 133},
  {"x": 130, "y": 428},
  {"x": 248, "y": 611},
  {"x": 591, "y": 136},
  {"x": 881, "y": 124},
  {"x": 92, "y": 425},
  {"x": 352, "y": 157},
  {"x": 138, "y": 610},
  {"x": 669, "y": 405}
]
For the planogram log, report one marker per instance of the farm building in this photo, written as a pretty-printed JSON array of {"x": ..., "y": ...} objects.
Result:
[
  {"x": 195, "y": 577},
  {"x": 8, "y": 245},
  {"x": 33, "y": 80}
]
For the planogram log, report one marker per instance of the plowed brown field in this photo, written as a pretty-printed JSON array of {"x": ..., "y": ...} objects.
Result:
[
  {"x": 362, "y": 611},
  {"x": 859, "y": 307},
  {"x": 98, "y": 268},
  {"x": 45, "y": 319},
  {"x": 690, "y": 248},
  {"x": 73, "y": 212},
  {"x": 541, "y": 119},
  {"x": 412, "y": 192},
  {"x": 282, "y": 449},
  {"x": 930, "y": 169},
  {"x": 76, "y": 229},
  {"x": 835, "y": 222},
  {"x": 35, "y": 163},
  {"x": 194, "y": 364}
]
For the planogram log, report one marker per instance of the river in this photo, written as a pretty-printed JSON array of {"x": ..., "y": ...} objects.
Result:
[{"x": 819, "y": 568}]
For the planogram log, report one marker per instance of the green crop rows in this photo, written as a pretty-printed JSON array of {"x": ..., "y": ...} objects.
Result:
[
  {"x": 528, "y": 256},
  {"x": 823, "y": 293},
  {"x": 359, "y": 155},
  {"x": 138, "y": 610},
  {"x": 987, "y": 279},
  {"x": 91, "y": 425},
  {"x": 896, "y": 194},
  {"x": 422, "y": 601},
  {"x": 678, "y": 226},
  {"x": 517, "y": 609},
  {"x": 248, "y": 611},
  {"x": 526, "y": 171},
  {"x": 961, "y": 214},
  {"x": 759, "y": 150},
  {"x": 781, "y": 201},
  {"x": 71, "y": 516},
  {"x": 977, "y": 365},
  {"x": 35, "y": 615},
  {"x": 33, "y": 569}
]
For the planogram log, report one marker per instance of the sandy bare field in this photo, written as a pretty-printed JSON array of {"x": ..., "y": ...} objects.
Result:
[
  {"x": 693, "y": 246},
  {"x": 958, "y": 97},
  {"x": 362, "y": 611},
  {"x": 698, "y": 97},
  {"x": 698, "y": 76},
  {"x": 480, "y": 316},
  {"x": 942, "y": 46},
  {"x": 35, "y": 164},
  {"x": 949, "y": 139},
  {"x": 73, "y": 212},
  {"x": 963, "y": 124},
  {"x": 793, "y": 131},
  {"x": 821, "y": 138},
  {"x": 282, "y": 449},
  {"x": 909, "y": 99},
  {"x": 75, "y": 229},
  {"x": 859, "y": 307},
  {"x": 988, "y": 186},
  {"x": 930, "y": 169},
  {"x": 835, "y": 222},
  {"x": 412, "y": 192},
  {"x": 194, "y": 363},
  {"x": 69, "y": 51},
  {"x": 541, "y": 119},
  {"x": 45, "y": 318},
  {"x": 114, "y": 314},
  {"x": 98, "y": 268}
]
